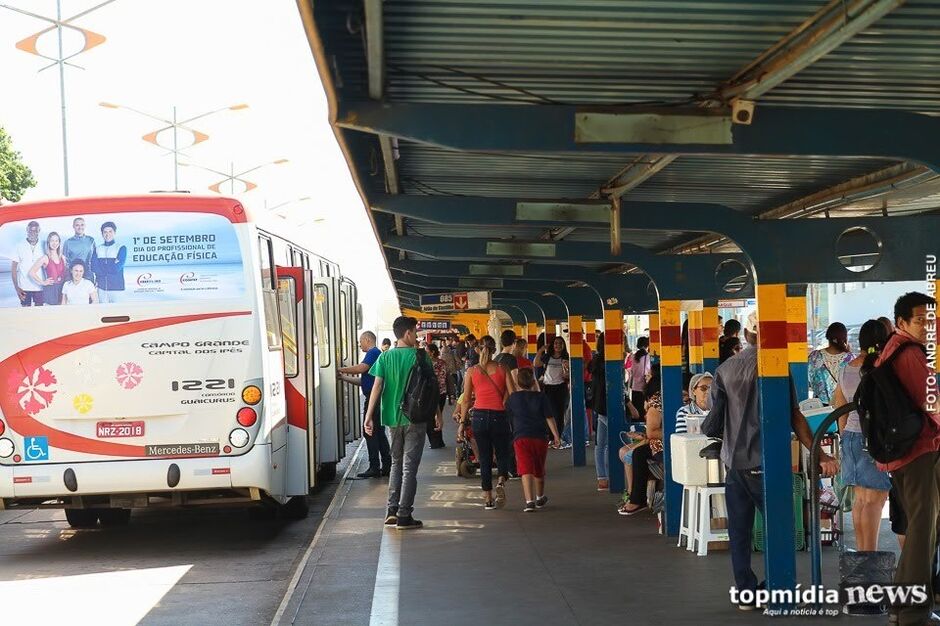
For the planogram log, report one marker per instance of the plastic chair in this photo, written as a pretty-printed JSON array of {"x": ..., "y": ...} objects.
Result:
[
  {"x": 703, "y": 533},
  {"x": 688, "y": 517}
]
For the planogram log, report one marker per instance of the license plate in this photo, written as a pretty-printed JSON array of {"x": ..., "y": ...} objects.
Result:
[{"x": 120, "y": 429}]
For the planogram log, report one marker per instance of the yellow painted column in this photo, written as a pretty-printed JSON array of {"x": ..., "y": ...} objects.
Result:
[
  {"x": 613, "y": 369},
  {"x": 655, "y": 343},
  {"x": 532, "y": 332},
  {"x": 696, "y": 347},
  {"x": 710, "y": 336},
  {"x": 670, "y": 326},
  {"x": 590, "y": 333}
]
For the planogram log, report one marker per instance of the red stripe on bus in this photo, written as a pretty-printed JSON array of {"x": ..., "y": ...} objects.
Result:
[
  {"x": 22, "y": 479},
  {"x": 22, "y": 364},
  {"x": 296, "y": 407},
  {"x": 216, "y": 471},
  {"x": 232, "y": 210}
]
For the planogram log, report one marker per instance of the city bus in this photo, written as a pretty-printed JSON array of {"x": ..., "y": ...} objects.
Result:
[{"x": 183, "y": 355}]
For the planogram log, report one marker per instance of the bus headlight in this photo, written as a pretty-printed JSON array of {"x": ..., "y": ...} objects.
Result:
[
  {"x": 6, "y": 448},
  {"x": 238, "y": 437}
]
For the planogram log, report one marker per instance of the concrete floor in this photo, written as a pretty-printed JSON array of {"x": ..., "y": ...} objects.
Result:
[
  {"x": 574, "y": 562},
  {"x": 224, "y": 567}
]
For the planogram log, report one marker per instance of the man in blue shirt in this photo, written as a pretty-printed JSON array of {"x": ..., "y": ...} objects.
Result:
[{"x": 376, "y": 443}]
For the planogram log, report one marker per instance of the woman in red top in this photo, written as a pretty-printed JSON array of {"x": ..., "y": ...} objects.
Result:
[
  {"x": 488, "y": 384},
  {"x": 53, "y": 265}
]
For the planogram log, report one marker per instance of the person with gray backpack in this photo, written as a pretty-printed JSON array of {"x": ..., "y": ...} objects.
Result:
[{"x": 406, "y": 391}]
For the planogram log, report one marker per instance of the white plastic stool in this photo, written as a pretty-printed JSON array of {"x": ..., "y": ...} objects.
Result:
[
  {"x": 703, "y": 533},
  {"x": 688, "y": 516}
]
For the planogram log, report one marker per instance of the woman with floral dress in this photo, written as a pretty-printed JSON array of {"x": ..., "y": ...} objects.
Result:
[{"x": 826, "y": 364}]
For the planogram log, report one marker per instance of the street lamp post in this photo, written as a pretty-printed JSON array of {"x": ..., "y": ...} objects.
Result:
[
  {"x": 174, "y": 124},
  {"x": 231, "y": 176},
  {"x": 28, "y": 45}
]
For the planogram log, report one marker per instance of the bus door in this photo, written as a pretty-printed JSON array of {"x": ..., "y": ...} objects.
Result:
[
  {"x": 350, "y": 322},
  {"x": 295, "y": 299},
  {"x": 332, "y": 445}
]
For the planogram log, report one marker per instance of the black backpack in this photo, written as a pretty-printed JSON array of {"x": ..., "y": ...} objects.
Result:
[
  {"x": 419, "y": 402},
  {"x": 890, "y": 420}
]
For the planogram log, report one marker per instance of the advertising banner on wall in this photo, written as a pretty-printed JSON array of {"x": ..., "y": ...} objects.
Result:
[{"x": 119, "y": 257}]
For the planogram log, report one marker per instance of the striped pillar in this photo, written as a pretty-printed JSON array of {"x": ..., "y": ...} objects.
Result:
[
  {"x": 532, "y": 333},
  {"x": 590, "y": 333},
  {"x": 575, "y": 340},
  {"x": 710, "y": 336},
  {"x": 936, "y": 294},
  {"x": 696, "y": 347},
  {"x": 549, "y": 333},
  {"x": 671, "y": 372},
  {"x": 774, "y": 385},
  {"x": 797, "y": 349},
  {"x": 655, "y": 343},
  {"x": 613, "y": 372}
]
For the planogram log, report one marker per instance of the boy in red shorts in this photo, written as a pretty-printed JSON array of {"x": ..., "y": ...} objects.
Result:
[{"x": 532, "y": 420}]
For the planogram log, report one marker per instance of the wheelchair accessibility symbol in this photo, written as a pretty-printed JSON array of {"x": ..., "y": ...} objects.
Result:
[{"x": 36, "y": 448}]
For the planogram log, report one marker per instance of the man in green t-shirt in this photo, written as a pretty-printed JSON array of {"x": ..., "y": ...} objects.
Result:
[{"x": 406, "y": 439}]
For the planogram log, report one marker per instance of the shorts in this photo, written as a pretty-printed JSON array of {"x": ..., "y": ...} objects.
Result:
[
  {"x": 530, "y": 456},
  {"x": 858, "y": 468}
]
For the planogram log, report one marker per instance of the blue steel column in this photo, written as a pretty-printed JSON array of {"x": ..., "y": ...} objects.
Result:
[
  {"x": 670, "y": 334},
  {"x": 613, "y": 371},
  {"x": 578, "y": 455},
  {"x": 797, "y": 348},
  {"x": 773, "y": 372}
]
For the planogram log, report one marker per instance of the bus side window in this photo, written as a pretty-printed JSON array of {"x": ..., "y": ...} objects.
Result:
[
  {"x": 266, "y": 257},
  {"x": 268, "y": 294},
  {"x": 286, "y": 293},
  {"x": 321, "y": 317}
]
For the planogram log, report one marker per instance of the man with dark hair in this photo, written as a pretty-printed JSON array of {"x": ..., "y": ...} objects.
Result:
[
  {"x": 725, "y": 347},
  {"x": 377, "y": 443},
  {"x": 735, "y": 418},
  {"x": 505, "y": 358},
  {"x": 391, "y": 372},
  {"x": 473, "y": 354},
  {"x": 108, "y": 265},
  {"x": 916, "y": 476},
  {"x": 386, "y": 344}
]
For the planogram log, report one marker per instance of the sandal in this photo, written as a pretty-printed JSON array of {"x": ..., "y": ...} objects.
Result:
[{"x": 625, "y": 510}]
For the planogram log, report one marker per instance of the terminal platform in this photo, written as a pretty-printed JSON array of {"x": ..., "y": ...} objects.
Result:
[{"x": 574, "y": 562}]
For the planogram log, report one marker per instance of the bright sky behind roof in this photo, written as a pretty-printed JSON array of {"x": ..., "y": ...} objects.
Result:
[{"x": 197, "y": 55}]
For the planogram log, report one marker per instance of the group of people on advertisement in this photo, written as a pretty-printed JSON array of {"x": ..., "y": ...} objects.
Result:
[{"x": 76, "y": 271}]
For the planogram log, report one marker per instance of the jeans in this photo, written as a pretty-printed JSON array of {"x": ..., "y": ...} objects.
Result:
[
  {"x": 744, "y": 494},
  {"x": 32, "y": 298},
  {"x": 918, "y": 485},
  {"x": 558, "y": 399},
  {"x": 601, "y": 448},
  {"x": 492, "y": 431},
  {"x": 566, "y": 433},
  {"x": 377, "y": 444},
  {"x": 407, "y": 445}
]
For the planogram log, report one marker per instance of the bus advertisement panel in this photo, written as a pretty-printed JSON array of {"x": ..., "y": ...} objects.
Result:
[{"x": 119, "y": 257}]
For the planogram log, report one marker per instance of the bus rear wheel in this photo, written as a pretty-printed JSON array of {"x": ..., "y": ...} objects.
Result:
[
  {"x": 81, "y": 518},
  {"x": 296, "y": 508},
  {"x": 327, "y": 471},
  {"x": 114, "y": 517}
]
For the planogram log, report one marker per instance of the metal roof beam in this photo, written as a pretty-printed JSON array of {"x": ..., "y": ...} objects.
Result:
[
  {"x": 809, "y": 131},
  {"x": 485, "y": 211},
  {"x": 832, "y": 26}
]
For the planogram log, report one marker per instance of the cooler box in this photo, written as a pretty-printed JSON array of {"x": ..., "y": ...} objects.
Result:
[
  {"x": 815, "y": 417},
  {"x": 688, "y": 468}
]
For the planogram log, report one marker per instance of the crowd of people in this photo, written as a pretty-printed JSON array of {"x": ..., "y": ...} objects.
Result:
[
  {"x": 76, "y": 271},
  {"x": 513, "y": 410}
]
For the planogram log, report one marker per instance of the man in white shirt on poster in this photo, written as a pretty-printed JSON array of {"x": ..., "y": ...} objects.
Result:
[{"x": 27, "y": 253}]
